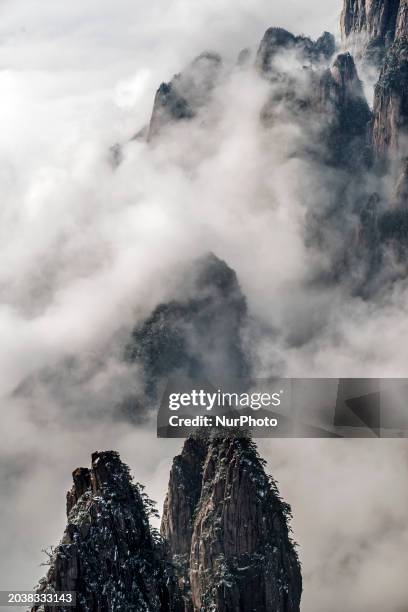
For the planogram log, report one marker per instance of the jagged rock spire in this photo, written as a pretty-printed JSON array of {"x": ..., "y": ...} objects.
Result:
[
  {"x": 378, "y": 29},
  {"x": 340, "y": 97},
  {"x": 108, "y": 554},
  {"x": 226, "y": 542},
  {"x": 235, "y": 552}
]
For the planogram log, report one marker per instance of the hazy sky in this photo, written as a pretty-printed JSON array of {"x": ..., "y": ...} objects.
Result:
[{"x": 87, "y": 250}]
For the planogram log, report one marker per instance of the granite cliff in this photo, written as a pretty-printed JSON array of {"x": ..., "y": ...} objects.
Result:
[
  {"x": 225, "y": 543},
  {"x": 108, "y": 553},
  {"x": 370, "y": 26},
  {"x": 236, "y": 554},
  {"x": 378, "y": 29},
  {"x": 391, "y": 103}
]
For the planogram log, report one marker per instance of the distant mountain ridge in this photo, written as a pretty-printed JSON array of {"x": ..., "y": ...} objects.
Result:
[{"x": 342, "y": 132}]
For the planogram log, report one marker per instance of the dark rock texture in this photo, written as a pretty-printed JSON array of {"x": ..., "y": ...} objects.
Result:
[
  {"x": 401, "y": 30},
  {"x": 371, "y": 25},
  {"x": 186, "y": 93},
  {"x": 179, "y": 508},
  {"x": 382, "y": 27},
  {"x": 400, "y": 199},
  {"x": 341, "y": 98},
  {"x": 196, "y": 337},
  {"x": 241, "y": 557},
  {"x": 108, "y": 554},
  {"x": 375, "y": 21},
  {"x": 391, "y": 102},
  {"x": 315, "y": 95},
  {"x": 225, "y": 544}
]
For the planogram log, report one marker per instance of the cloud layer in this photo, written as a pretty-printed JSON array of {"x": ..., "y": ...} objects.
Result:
[{"x": 89, "y": 249}]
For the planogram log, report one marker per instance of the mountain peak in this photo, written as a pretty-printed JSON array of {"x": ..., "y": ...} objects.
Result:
[
  {"x": 108, "y": 554},
  {"x": 184, "y": 96},
  {"x": 240, "y": 556},
  {"x": 199, "y": 335},
  {"x": 276, "y": 40}
]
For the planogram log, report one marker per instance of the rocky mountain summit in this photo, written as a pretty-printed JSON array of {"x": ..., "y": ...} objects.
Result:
[
  {"x": 199, "y": 336},
  {"x": 186, "y": 93},
  {"x": 277, "y": 39},
  {"x": 225, "y": 542},
  {"x": 360, "y": 151},
  {"x": 108, "y": 554},
  {"x": 236, "y": 553}
]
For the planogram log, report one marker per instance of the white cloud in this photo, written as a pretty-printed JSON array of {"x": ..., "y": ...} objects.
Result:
[{"x": 86, "y": 250}]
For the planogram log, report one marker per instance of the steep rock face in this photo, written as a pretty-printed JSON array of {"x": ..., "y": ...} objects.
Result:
[
  {"x": 186, "y": 93},
  {"x": 328, "y": 103},
  {"x": 108, "y": 554},
  {"x": 400, "y": 199},
  {"x": 341, "y": 97},
  {"x": 197, "y": 337},
  {"x": 334, "y": 119},
  {"x": 401, "y": 30},
  {"x": 382, "y": 28},
  {"x": 183, "y": 496},
  {"x": 241, "y": 556},
  {"x": 179, "y": 507},
  {"x": 370, "y": 25},
  {"x": 391, "y": 102}
]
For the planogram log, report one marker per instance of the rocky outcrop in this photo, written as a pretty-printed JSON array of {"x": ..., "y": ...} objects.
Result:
[
  {"x": 276, "y": 40},
  {"x": 381, "y": 27},
  {"x": 225, "y": 543},
  {"x": 401, "y": 30},
  {"x": 369, "y": 26},
  {"x": 198, "y": 337},
  {"x": 185, "y": 94},
  {"x": 374, "y": 18},
  {"x": 335, "y": 101},
  {"x": 241, "y": 556},
  {"x": 108, "y": 554},
  {"x": 314, "y": 95},
  {"x": 400, "y": 199},
  {"x": 341, "y": 98},
  {"x": 181, "y": 501},
  {"x": 391, "y": 102}
]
